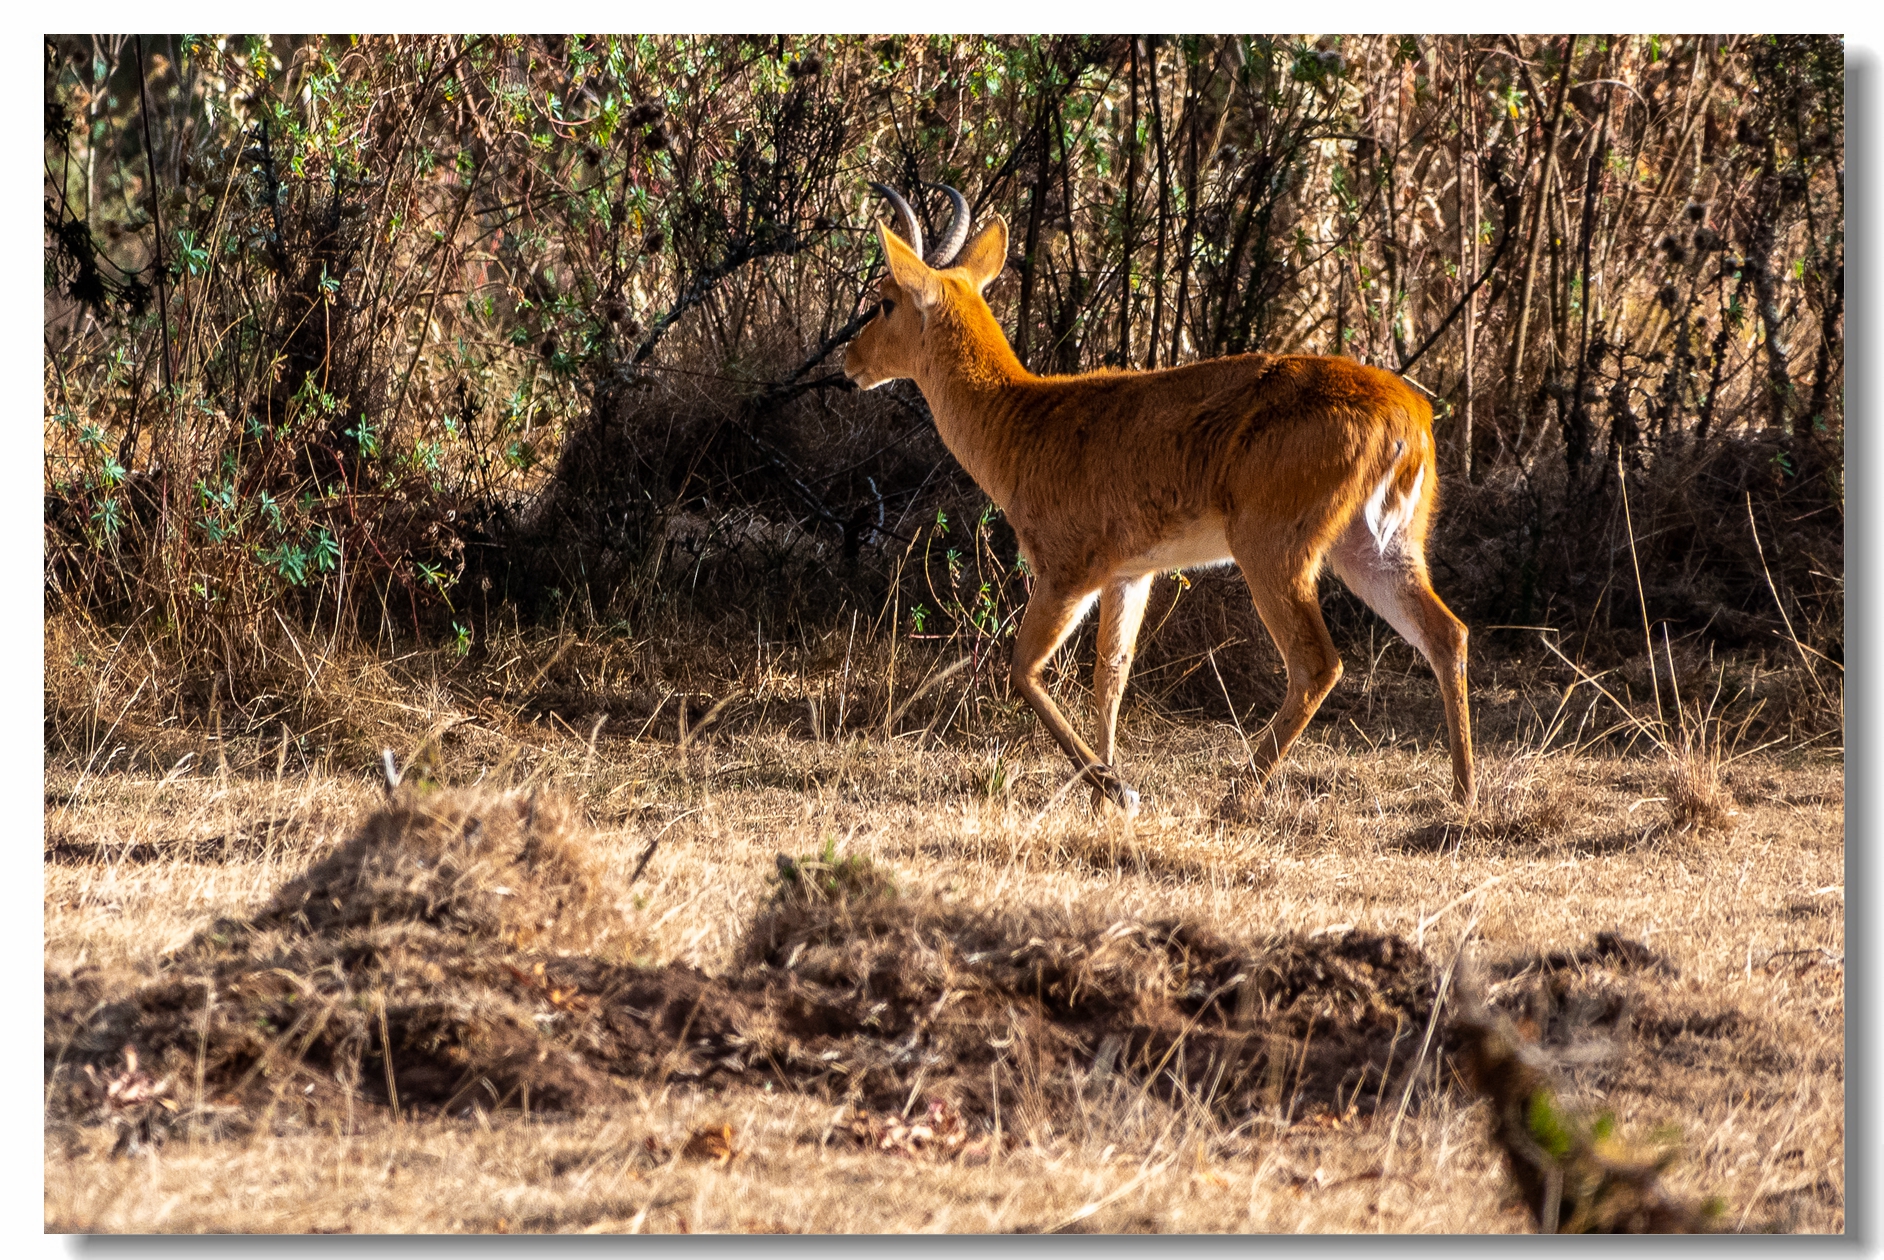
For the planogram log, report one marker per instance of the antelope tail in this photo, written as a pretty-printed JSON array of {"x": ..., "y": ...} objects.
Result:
[{"x": 1395, "y": 496}]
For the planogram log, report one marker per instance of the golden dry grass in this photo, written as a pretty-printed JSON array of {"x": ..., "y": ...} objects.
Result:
[
  {"x": 1740, "y": 1048},
  {"x": 1745, "y": 1061}
]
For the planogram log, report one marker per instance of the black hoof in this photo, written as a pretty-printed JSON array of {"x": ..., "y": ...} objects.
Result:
[{"x": 1112, "y": 791}]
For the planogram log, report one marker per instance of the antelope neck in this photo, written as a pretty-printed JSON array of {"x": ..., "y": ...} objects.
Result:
[{"x": 970, "y": 374}]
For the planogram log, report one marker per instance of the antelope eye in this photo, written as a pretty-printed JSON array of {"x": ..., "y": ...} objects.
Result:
[{"x": 889, "y": 308}]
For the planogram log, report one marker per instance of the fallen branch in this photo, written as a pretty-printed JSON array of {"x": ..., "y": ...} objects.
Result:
[{"x": 1572, "y": 1173}]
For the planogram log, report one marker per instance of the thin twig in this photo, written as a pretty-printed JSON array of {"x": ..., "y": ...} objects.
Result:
[
  {"x": 1248, "y": 753},
  {"x": 1778, "y": 602},
  {"x": 693, "y": 730},
  {"x": 1094, "y": 1206},
  {"x": 934, "y": 680},
  {"x": 647, "y": 854},
  {"x": 1435, "y": 916},
  {"x": 1648, "y": 639},
  {"x": 385, "y": 1043},
  {"x": 1432, "y": 1024},
  {"x": 1642, "y": 726}
]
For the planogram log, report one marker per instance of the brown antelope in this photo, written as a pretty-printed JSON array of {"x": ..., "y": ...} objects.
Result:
[{"x": 1278, "y": 462}]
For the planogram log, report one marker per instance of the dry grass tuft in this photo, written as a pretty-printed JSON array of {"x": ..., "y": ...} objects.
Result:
[
  {"x": 1518, "y": 803},
  {"x": 1519, "y": 806},
  {"x": 832, "y": 877},
  {"x": 1699, "y": 799}
]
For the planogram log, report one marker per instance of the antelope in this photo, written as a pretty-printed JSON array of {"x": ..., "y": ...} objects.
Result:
[{"x": 1280, "y": 463}]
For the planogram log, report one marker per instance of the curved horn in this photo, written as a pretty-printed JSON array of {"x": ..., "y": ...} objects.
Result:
[
  {"x": 911, "y": 229},
  {"x": 957, "y": 234}
]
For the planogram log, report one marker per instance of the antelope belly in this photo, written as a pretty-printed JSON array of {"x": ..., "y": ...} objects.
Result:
[{"x": 1194, "y": 545}]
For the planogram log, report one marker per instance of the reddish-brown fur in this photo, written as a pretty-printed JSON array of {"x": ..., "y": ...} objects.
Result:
[{"x": 1280, "y": 462}]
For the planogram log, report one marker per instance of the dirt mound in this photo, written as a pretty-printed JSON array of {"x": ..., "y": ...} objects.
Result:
[
  {"x": 409, "y": 965},
  {"x": 890, "y": 990},
  {"x": 461, "y": 949},
  {"x": 505, "y": 868}
]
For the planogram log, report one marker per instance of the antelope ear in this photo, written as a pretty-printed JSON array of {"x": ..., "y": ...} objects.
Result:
[
  {"x": 983, "y": 257},
  {"x": 912, "y": 274}
]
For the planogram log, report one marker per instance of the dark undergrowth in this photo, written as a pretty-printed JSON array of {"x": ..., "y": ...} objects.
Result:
[{"x": 510, "y": 366}]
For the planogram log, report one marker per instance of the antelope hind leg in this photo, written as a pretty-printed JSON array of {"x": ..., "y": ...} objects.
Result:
[
  {"x": 1393, "y": 582},
  {"x": 1286, "y": 601}
]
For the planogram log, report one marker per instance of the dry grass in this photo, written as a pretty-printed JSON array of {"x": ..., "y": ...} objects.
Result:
[{"x": 1739, "y": 1046}]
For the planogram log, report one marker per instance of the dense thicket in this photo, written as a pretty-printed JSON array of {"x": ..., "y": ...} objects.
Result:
[{"x": 390, "y": 337}]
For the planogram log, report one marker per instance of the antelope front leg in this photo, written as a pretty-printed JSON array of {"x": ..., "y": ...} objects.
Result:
[
  {"x": 1121, "y": 612},
  {"x": 1052, "y": 613}
]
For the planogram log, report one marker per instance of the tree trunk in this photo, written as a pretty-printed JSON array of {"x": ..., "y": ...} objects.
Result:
[
  {"x": 1468, "y": 245},
  {"x": 1127, "y": 225},
  {"x": 1164, "y": 209},
  {"x": 1514, "y": 377},
  {"x": 1577, "y": 436},
  {"x": 1024, "y": 326}
]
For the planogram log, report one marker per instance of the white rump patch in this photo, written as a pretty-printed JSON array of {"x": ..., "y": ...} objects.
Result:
[{"x": 1385, "y": 520}]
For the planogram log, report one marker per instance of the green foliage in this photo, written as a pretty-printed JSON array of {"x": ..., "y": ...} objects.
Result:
[
  {"x": 1548, "y": 1128},
  {"x": 830, "y": 876}
]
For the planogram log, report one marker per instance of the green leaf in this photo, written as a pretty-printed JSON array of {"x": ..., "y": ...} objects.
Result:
[{"x": 1547, "y": 1127}]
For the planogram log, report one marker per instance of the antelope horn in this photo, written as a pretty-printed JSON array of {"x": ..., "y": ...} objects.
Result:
[
  {"x": 911, "y": 229},
  {"x": 957, "y": 234}
]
